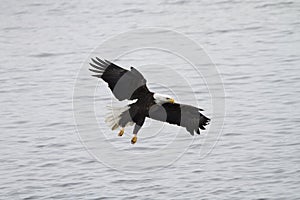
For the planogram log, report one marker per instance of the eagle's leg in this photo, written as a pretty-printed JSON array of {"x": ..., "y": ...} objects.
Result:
[
  {"x": 135, "y": 131},
  {"x": 121, "y": 132}
]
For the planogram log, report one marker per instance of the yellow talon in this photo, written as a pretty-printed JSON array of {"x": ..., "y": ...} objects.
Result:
[
  {"x": 133, "y": 140},
  {"x": 121, "y": 132}
]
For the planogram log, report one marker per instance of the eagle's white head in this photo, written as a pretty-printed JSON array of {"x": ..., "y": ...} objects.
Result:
[{"x": 161, "y": 99}]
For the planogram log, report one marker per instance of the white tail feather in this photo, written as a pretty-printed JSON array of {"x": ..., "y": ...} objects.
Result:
[{"x": 113, "y": 118}]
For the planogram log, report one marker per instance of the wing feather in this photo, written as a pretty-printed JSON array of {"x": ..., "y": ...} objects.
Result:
[
  {"x": 182, "y": 115},
  {"x": 125, "y": 84}
]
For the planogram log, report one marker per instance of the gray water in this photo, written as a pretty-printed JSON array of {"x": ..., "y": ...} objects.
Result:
[{"x": 255, "y": 46}]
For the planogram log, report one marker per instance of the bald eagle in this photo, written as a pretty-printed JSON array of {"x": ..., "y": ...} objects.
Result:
[{"x": 131, "y": 85}]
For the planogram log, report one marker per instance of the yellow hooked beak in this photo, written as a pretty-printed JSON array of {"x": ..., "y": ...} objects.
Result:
[{"x": 172, "y": 100}]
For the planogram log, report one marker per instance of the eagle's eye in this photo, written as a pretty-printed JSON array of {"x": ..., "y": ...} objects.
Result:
[{"x": 168, "y": 98}]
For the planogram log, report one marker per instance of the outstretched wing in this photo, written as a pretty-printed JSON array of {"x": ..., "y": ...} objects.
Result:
[
  {"x": 182, "y": 115},
  {"x": 125, "y": 84}
]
